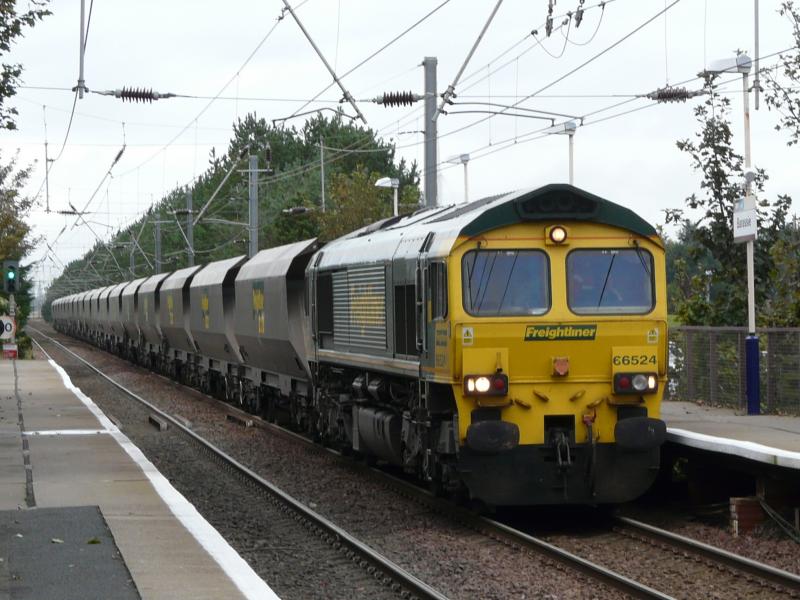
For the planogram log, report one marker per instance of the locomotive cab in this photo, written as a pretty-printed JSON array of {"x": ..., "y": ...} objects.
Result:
[{"x": 555, "y": 339}]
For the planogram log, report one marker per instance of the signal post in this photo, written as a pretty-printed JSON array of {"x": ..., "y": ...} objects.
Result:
[{"x": 8, "y": 325}]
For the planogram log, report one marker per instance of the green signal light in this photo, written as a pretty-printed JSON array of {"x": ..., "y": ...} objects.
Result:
[{"x": 12, "y": 275}]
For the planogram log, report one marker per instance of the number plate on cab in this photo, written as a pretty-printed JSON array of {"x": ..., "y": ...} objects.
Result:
[{"x": 633, "y": 358}]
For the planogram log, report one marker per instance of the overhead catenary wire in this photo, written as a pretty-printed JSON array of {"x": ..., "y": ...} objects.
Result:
[
  {"x": 596, "y": 29},
  {"x": 537, "y": 42},
  {"x": 370, "y": 57},
  {"x": 542, "y": 95},
  {"x": 448, "y": 93},
  {"x": 222, "y": 89},
  {"x": 336, "y": 79},
  {"x": 488, "y": 72},
  {"x": 367, "y": 150},
  {"x": 574, "y": 70}
]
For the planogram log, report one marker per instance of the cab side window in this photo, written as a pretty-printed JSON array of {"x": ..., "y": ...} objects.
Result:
[{"x": 437, "y": 289}]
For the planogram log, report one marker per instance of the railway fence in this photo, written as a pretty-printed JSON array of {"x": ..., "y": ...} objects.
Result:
[{"x": 707, "y": 364}]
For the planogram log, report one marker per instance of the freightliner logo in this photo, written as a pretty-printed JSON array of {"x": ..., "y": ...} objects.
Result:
[{"x": 549, "y": 333}]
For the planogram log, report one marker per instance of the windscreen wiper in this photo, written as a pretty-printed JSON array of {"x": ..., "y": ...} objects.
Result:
[{"x": 605, "y": 283}]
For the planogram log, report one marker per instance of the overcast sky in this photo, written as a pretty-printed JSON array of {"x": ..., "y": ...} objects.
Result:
[{"x": 196, "y": 47}]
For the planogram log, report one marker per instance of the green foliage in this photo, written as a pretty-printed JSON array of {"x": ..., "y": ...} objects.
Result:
[
  {"x": 356, "y": 203},
  {"x": 12, "y": 23},
  {"x": 711, "y": 278},
  {"x": 353, "y": 156},
  {"x": 782, "y": 82},
  {"x": 15, "y": 239},
  {"x": 782, "y": 304}
]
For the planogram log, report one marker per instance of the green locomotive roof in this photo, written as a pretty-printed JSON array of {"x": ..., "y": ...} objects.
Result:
[{"x": 554, "y": 202}]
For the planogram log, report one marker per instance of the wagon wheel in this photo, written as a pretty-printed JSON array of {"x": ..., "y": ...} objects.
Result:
[{"x": 269, "y": 408}]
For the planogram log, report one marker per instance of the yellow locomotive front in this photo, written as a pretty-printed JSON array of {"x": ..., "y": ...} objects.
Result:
[{"x": 556, "y": 347}]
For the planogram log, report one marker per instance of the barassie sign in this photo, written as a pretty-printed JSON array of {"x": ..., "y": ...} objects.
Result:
[{"x": 549, "y": 333}]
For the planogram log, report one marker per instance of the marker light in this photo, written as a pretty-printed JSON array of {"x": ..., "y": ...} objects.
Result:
[
  {"x": 486, "y": 385},
  {"x": 558, "y": 234},
  {"x": 635, "y": 383}
]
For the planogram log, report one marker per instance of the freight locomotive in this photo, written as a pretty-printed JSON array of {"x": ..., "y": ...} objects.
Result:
[{"x": 512, "y": 350}]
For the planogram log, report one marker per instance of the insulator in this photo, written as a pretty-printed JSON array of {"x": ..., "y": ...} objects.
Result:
[
  {"x": 138, "y": 95},
  {"x": 398, "y": 99},
  {"x": 672, "y": 94}
]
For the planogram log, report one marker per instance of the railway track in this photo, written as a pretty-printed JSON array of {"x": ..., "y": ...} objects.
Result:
[
  {"x": 503, "y": 532},
  {"x": 402, "y": 582},
  {"x": 785, "y": 581}
]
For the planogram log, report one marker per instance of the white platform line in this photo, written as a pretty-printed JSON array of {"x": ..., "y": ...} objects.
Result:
[
  {"x": 750, "y": 450},
  {"x": 234, "y": 566},
  {"x": 67, "y": 432}
]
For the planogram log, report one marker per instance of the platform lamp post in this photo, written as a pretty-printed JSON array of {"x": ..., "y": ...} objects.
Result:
[
  {"x": 390, "y": 182},
  {"x": 462, "y": 159},
  {"x": 567, "y": 128},
  {"x": 745, "y": 229}
]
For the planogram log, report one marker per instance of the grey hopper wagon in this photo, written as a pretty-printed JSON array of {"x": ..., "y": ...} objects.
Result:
[
  {"x": 148, "y": 311},
  {"x": 129, "y": 308},
  {"x": 174, "y": 305},
  {"x": 115, "y": 316},
  {"x": 102, "y": 312},
  {"x": 269, "y": 323},
  {"x": 212, "y": 294},
  {"x": 92, "y": 316},
  {"x": 82, "y": 310}
]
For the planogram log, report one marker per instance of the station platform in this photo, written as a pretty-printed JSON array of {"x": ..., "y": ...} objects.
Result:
[
  {"x": 84, "y": 514},
  {"x": 770, "y": 439}
]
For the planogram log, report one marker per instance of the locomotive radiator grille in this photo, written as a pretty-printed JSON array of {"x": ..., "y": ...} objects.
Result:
[{"x": 359, "y": 307}]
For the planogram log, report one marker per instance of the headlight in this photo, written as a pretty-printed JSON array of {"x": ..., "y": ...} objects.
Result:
[
  {"x": 635, "y": 383},
  {"x": 555, "y": 235},
  {"x": 486, "y": 385},
  {"x": 558, "y": 234},
  {"x": 482, "y": 385}
]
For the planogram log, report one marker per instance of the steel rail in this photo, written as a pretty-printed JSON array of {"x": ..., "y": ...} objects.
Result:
[
  {"x": 396, "y": 572},
  {"x": 741, "y": 563},
  {"x": 611, "y": 578},
  {"x": 488, "y": 527},
  {"x": 509, "y": 534}
]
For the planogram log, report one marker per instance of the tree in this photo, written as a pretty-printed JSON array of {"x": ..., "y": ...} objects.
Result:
[
  {"x": 782, "y": 83},
  {"x": 15, "y": 238},
  {"x": 354, "y": 158},
  {"x": 11, "y": 26},
  {"x": 783, "y": 300},
  {"x": 355, "y": 203},
  {"x": 720, "y": 297}
]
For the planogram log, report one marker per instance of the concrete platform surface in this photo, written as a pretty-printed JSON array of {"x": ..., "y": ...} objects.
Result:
[
  {"x": 57, "y": 450},
  {"x": 764, "y": 438},
  {"x": 64, "y": 553}
]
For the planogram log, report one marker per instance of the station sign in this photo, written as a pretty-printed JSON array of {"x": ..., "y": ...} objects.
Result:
[
  {"x": 8, "y": 327},
  {"x": 745, "y": 220}
]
